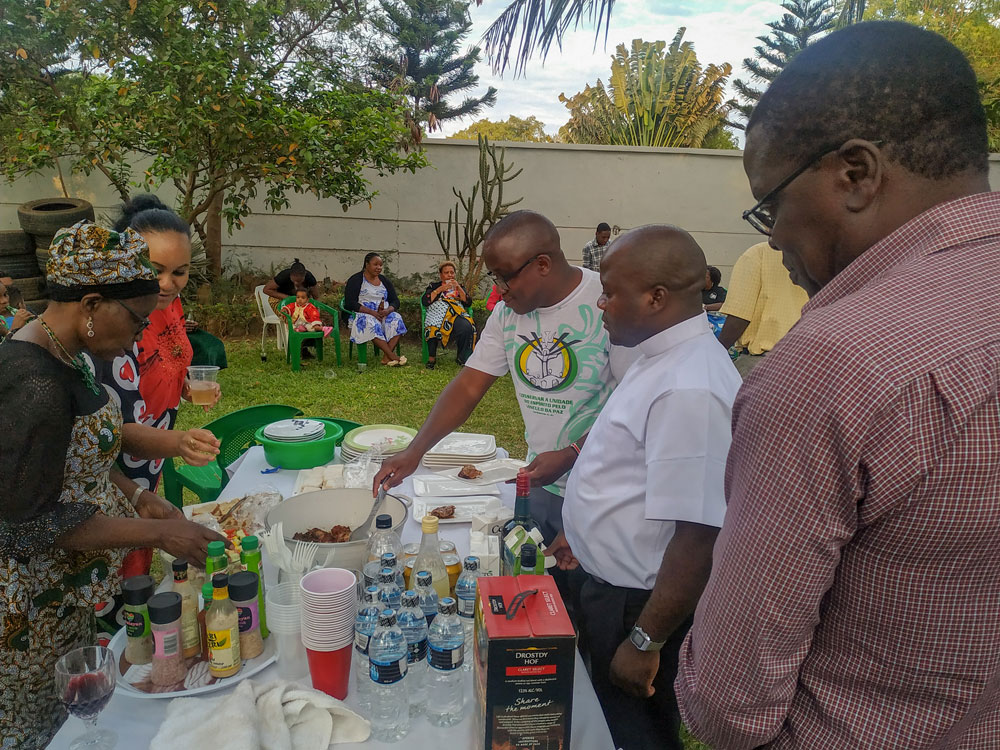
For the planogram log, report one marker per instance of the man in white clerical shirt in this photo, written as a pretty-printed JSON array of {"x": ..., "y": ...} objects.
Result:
[{"x": 645, "y": 499}]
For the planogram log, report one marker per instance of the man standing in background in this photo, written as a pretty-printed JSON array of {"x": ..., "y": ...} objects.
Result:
[
  {"x": 593, "y": 251},
  {"x": 761, "y": 305}
]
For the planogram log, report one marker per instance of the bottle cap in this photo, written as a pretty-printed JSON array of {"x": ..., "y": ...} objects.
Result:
[
  {"x": 429, "y": 524},
  {"x": 243, "y": 586},
  {"x": 387, "y": 618},
  {"x": 386, "y": 575},
  {"x": 523, "y": 484},
  {"x": 410, "y": 599},
  {"x": 249, "y": 543},
  {"x": 206, "y": 591},
  {"x": 371, "y": 594},
  {"x": 424, "y": 578},
  {"x": 529, "y": 555},
  {"x": 216, "y": 548},
  {"x": 220, "y": 580},
  {"x": 388, "y": 560},
  {"x": 472, "y": 563},
  {"x": 383, "y": 521},
  {"x": 137, "y": 590},
  {"x": 180, "y": 565},
  {"x": 447, "y": 606},
  {"x": 164, "y": 608},
  {"x": 476, "y": 536}
]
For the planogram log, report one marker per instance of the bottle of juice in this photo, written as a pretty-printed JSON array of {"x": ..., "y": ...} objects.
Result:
[
  {"x": 429, "y": 557},
  {"x": 190, "y": 637},
  {"x": 251, "y": 559},
  {"x": 223, "y": 626}
]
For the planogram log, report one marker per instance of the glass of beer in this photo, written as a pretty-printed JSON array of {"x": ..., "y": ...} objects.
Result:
[{"x": 202, "y": 382}]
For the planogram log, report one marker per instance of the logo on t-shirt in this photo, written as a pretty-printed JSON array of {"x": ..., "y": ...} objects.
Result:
[{"x": 547, "y": 363}]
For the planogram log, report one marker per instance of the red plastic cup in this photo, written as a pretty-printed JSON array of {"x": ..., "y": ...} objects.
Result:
[{"x": 331, "y": 670}]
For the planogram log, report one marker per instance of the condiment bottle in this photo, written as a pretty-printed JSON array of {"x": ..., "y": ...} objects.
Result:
[
  {"x": 136, "y": 592},
  {"x": 243, "y": 589},
  {"x": 452, "y": 563},
  {"x": 190, "y": 636},
  {"x": 217, "y": 561},
  {"x": 222, "y": 624},
  {"x": 165, "y": 622},
  {"x": 429, "y": 557},
  {"x": 206, "y": 597},
  {"x": 251, "y": 559}
]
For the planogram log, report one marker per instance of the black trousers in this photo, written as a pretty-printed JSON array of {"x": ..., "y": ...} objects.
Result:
[
  {"x": 607, "y": 614},
  {"x": 463, "y": 333}
]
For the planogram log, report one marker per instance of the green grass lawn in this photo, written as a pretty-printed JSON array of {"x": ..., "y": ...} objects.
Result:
[
  {"x": 379, "y": 395},
  {"x": 388, "y": 395}
]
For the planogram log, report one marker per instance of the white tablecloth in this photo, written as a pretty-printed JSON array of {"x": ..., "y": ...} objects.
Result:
[{"x": 138, "y": 719}]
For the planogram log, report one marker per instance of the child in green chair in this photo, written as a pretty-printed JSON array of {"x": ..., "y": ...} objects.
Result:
[{"x": 304, "y": 315}]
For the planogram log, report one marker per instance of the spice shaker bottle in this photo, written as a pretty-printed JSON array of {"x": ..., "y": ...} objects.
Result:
[
  {"x": 165, "y": 622},
  {"x": 222, "y": 624},
  {"x": 190, "y": 637},
  {"x": 250, "y": 556},
  {"x": 206, "y": 597},
  {"x": 243, "y": 592},
  {"x": 136, "y": 592}
]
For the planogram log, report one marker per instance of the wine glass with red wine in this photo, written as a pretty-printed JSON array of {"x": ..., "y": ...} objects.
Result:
[{"x": 85, "y": 681}]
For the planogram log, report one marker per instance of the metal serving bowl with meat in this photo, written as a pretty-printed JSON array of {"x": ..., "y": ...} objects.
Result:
[{"x": 326, "y": 509}]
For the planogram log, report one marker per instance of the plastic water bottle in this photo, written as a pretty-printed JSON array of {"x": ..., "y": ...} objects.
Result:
[
  {"x": 388, "y": 590},
  {"x": 389, "y": 560},
  {"x": 427, "y": 595},
  {"x": 383, "y": 539},
  {"x": 412, "y": 622},
  {"x": 445, "y": 656},
  {"x": 364, "y": 627},
  {"x": 465, "y": 592},
  {"x": 387, "y": 664}
]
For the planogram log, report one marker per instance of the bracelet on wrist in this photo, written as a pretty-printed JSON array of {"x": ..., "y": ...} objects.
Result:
[
  {"x": 575, "y": 447},
  {"x": 137, "y": 494}
]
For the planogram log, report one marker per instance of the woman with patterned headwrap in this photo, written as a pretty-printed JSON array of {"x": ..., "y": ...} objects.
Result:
[{"x": 65, "y": 521}]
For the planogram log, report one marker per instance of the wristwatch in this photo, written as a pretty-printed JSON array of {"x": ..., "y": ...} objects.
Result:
[{"x": 642, "y": 641}]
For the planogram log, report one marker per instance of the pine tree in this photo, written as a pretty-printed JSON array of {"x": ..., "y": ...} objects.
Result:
[
  {"x": 804, "y": 20},
  {"x": 424, "y": 61}
]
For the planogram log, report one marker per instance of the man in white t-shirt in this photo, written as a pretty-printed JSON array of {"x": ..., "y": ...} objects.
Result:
[
  {"x": 645, "y": 500},
  {"x": 547, "y": 333}
]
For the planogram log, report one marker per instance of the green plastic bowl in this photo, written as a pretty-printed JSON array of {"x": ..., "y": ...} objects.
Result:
[
  {"x": 345, "y": 424},
  {"x": 302, "y": 455}
]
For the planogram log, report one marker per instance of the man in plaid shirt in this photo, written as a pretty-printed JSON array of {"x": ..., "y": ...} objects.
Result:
[
  {"x": 593, "y": 251},
  {"x": 854, "y": 600}
]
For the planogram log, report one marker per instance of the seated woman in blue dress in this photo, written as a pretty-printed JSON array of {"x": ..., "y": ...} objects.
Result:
[{"x": 373, "y": 299}]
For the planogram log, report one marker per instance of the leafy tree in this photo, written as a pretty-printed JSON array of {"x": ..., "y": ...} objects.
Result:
[
  {"x": 221, "y": 100},
  {"x": 804, "y": 21},
  {"x": 425, "y": 63},
  {"x": 657, "y": 95},
  {"x": 971, "y": 25},
  {"x": 512, "y": 129}
]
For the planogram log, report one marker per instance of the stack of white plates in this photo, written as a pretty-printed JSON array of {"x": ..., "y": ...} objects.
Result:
[
  {"x": 461, "y": 448},
  {"x": 295, "y": 430},
  {"x": 390, "y": 438}
]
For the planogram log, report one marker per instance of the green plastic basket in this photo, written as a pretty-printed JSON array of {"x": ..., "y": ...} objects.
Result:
[{"x": 306, "y": 455}]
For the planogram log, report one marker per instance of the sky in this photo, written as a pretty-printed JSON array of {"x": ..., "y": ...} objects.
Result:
[{"x": 721, "y": 31}]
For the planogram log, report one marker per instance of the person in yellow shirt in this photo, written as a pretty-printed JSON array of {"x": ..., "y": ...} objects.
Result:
[{"x": 762, "y": 304}]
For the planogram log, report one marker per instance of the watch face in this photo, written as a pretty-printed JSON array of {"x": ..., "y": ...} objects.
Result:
[{"x": 638, "y": 640}]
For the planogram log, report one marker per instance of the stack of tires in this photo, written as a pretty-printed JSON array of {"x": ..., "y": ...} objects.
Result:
[{"x": 23, "y": 255}]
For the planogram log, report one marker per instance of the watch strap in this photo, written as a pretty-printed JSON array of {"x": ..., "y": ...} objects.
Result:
[{"x": 642, "y": 641}]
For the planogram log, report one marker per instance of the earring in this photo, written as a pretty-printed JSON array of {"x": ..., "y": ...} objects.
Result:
[{"x": 90, "y": 328}]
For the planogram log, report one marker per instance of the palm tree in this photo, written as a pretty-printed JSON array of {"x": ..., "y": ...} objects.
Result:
[
  {"x": 658, "y": 95},
  {"x": 539, "y": 23}
]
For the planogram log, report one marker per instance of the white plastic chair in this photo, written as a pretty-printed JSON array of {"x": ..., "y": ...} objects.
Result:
[{"x": 270, "y": 318}]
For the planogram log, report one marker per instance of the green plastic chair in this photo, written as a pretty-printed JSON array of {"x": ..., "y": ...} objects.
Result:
[
  {"x": 235, "y": 432},
  {"x": 362, "y": 348},
  {"x": 293, "y": 354}
]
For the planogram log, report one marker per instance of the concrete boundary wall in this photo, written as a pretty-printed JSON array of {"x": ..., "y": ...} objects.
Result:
[{"x": 703, "y": 191}]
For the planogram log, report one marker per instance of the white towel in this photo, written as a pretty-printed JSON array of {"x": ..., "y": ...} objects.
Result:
[{"x": 276, "y": 716}]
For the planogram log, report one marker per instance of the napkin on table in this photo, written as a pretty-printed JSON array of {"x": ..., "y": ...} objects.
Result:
[{"x": 276, "y": 716}]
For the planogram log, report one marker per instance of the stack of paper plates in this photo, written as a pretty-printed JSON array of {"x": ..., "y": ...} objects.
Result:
[
  {"x": 461, "y": 448},
  {"x": 294, "y": 430},
  {"x": 390, "y": 439}
]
